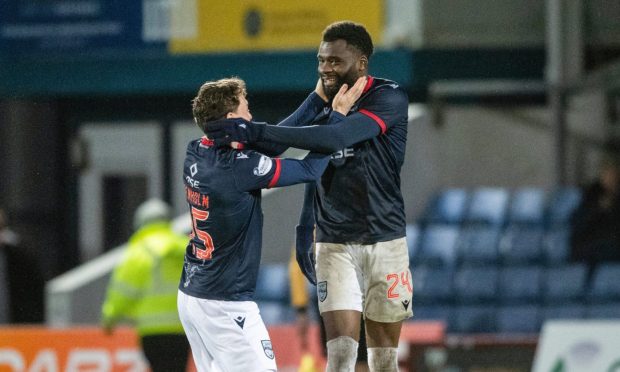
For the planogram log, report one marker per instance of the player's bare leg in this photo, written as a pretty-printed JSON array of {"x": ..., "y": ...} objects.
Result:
[
  {"x": 382, "y": 340},
  {"x": 342, "y": 328}
]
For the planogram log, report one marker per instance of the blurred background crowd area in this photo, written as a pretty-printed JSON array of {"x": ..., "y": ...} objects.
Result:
[{"x": 514, "y": 118}]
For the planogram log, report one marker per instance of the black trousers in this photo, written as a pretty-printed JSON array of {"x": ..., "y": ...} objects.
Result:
[{"x": 166, "y": 353}]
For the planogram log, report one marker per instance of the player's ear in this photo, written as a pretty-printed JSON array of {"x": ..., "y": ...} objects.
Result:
[{"x": 363, "y": 63}]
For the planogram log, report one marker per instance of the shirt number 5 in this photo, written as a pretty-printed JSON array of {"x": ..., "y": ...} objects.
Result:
[{"x": 202, "y": 236}]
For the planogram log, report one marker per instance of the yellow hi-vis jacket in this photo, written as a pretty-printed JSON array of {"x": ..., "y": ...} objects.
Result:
[{"x": 143, "y": 287}]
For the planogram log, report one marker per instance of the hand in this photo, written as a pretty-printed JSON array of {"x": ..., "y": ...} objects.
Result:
[
  {"x": 304, "y": 237},
  {"x": 346, "y": 98},
  {"x": 225, "y": 131},
  {"x": 320, "y": 91}
]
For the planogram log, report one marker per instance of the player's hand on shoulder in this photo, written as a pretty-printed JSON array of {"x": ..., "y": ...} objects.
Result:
[{"x": 346, "y": 97}]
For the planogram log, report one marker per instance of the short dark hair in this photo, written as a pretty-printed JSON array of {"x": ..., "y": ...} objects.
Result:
[
  {"x": 353, "y": 33},
  {"x": 215, "y": 99}
]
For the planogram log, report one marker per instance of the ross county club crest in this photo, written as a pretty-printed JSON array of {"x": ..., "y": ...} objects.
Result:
[
  {"x": 264, "y": 166},
  {"x": 321, "y": 288},
  {"x": 267, "y": 348}
]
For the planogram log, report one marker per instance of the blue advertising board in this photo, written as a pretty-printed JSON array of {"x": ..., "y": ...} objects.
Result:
[{"x": 77, "y": 26}]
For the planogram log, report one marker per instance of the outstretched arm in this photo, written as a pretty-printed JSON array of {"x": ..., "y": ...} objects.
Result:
[
  {"x": 304, "y": 115},
  {"x": 384, "y": 109}
]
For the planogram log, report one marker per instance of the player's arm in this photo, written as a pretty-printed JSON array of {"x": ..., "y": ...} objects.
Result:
[
  {"x": 387, "y": 108},
  {"x": 304, "y": 235},
  {"x": 257, "y": 171},
  {"x": 343, "y": 130},
  {"x": 304, "y": 115}
]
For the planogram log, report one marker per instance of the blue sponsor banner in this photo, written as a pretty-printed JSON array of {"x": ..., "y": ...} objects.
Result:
[{"x": 41, "y": 27}]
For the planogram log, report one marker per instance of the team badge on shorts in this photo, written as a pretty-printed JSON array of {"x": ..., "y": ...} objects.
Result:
[
  {"x": 267, "y": 348},
  {"x": 321, "y": 288}
]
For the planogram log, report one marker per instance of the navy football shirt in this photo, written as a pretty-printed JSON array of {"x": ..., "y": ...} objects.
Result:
[
  {"x": 358, "y": 198},
  {"x": 223, "y": 190}
]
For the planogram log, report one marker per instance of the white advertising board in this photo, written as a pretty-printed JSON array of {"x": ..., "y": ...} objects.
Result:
[{"x": 577, "y": 346}]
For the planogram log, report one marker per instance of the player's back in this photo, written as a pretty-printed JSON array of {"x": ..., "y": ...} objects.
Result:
[{"x": 224, "y": 251}]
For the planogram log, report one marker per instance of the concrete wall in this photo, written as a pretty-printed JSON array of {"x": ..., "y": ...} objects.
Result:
[{"x": 489, "y": 23}]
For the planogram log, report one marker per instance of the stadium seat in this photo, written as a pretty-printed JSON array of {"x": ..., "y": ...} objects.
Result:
[
  {"x": 438, "y": 245},
  {"x": 488, "y": 205},
  {"x": 473, "y": 319},
  {"x": 447, "y": 207},
  {"x": 527, "y": 206},
  {"x": 562, "y": 203},
  {"x": 478, "y": 245},
  {"x": 413, "y": 238},
  {"x": 476, "y": 284},
  {"x": 556, "y": 246},
  {"x": 519, "y": 319},
  {"x": 605, "y": 283},
  {"x": 564, "y": 284},
  {"x": 433, "y": 285},
  {"x": 520, "y": 284},
  {"x": 443, "y": 313},
  {"x": 604, "y": 311},
  {"x": 272, "y": 283},
  {"x": 565, "y": 311},
  {"x": 521, "y": 245}
]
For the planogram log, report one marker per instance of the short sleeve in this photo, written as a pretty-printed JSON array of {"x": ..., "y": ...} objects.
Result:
[{"x": 253, "y": 170}]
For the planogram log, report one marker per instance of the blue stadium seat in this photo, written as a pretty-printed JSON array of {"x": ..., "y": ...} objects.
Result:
[
  {"x": 478, "y": 245},
  {"x": 413, "y": 238},
  {"x": 521, "y": 245},
  {"x": 519, "y": 319},
  {"x": 564, "y": 284},
  {"x": 473, "y": 319},
  {"x": 443, "y": 313},
  {"x": 447, "y": 207},
  {"x": 573, "y": 310},
  {"x": 562, "y": 203},
  {"x": 488, "y": 205},
  {"x": 527, "y": 206},
  {"x": 605, "y": 283},
  {"x": 438, "y": 245},
  {"x": 556, "y": 246},
  {"x": 276, "y": 312},
  {"x": 272, "y": 283},
  {"x": 433, "y": 285},
  {"x": 476, "y": 284},
  {"x": 604, "y": 311},
  {"x": 520, "y": 284}
]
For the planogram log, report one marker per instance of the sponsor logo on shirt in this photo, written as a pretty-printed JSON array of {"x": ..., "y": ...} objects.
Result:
[
  {"x": 264, "y": 166},
  {"x": 344, "y": 153}
]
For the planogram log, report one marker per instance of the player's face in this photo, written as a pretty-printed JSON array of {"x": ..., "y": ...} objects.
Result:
[
  {"x": 339, "y": 64},
  {"x": 242, "y": 111}
]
